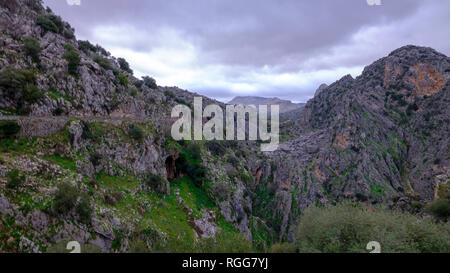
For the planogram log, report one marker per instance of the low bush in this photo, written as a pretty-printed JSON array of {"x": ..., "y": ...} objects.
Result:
[
  {"x": 156, "y": 183},
  {"x": 14, "y": 179},
  {"x": 349, "y": 227},
  {"x": 440, "y": 208},
  {"x": 9, "y": 128},
  {"x": 123, "y": 80},
  {"x": 135, "y": 132}
]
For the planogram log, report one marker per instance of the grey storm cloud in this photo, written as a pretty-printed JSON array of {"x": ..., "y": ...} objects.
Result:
[{"x": 287, "y": 47}]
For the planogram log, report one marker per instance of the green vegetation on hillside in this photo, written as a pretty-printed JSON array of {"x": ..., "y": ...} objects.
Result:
[{"x": 349, "y": 227}]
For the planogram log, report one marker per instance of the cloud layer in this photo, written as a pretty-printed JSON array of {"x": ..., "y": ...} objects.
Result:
[{"x": 286, "y": 48}]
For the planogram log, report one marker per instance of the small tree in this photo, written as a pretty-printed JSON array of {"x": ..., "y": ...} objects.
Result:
[
  {"x": 149, "y": 82},
  {"x": 32, "y": 48},
  {"x": 66, "y": 197},
  {"x": 124, "y": 65},
  {"x": 73, "y": 58}
]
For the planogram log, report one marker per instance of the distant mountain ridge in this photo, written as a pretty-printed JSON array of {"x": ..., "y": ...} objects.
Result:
[{"x": 285, "y": 105}]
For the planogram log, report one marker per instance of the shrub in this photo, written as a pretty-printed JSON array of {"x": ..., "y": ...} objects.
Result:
[
  {"x": 124, "y": 65},
  {"x": 123, "y": 80},
  {"x": 135, "y": 132},
  {"x": 84, "y": 210},
  {"x": 95, "y": 158},
  {"x": 66, "y": 197},
  {"x": 73, "y": 58},
  {"x": 9, "y": 128},
  {"x": 138, "y": 84},
  {"x": 133, "y": 91},
  {"x": 103, "y": 62},
  {"x": 32, "y": 94},
  {"x": 32, "y": 48},
  {"x": 192, "y": 169},
  {"x": 47, "y": 24},
  {"x": 68, "y": 34},
  {"x": 14, "y": 179},
  {"x": 149, "y": 82},
  {"x": 51, "y": 23},
  {"x": 15, "y": 81},
  {"x": 440, "y": 208},
  {"x": 86, "y": 46},
  {"x": 156, "y": 183},
  {"x": 348, "y": 227},
  {"x": 194, "y": 150}
]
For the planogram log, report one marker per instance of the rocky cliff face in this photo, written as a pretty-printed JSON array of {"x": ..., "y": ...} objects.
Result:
[{"x": 379, "y": 138}]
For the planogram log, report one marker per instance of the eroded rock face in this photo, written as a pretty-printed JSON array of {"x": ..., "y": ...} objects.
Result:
[{"x": 380, "y": 135}]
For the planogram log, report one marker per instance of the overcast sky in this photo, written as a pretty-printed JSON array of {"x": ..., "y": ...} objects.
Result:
[{"x": 282, "y": 48}]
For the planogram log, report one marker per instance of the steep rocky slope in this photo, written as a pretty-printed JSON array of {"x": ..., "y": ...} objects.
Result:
[
  {"x": 86, "y": 152},
  {"x": 380, "y": 138},
  {"x": 84, "y": 119}
]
